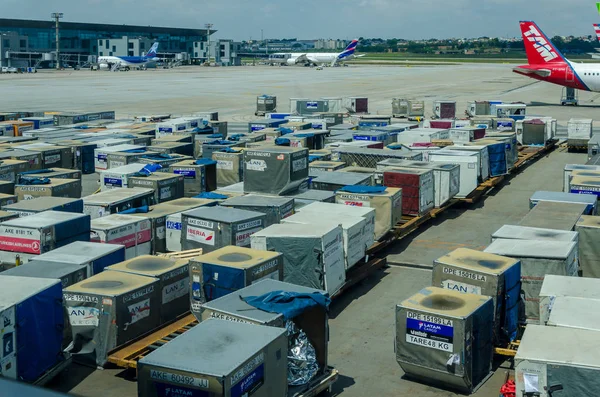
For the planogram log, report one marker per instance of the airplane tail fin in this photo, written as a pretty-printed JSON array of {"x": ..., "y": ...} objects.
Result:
[
  {"x": 349, "y": 50},
  {"x": 152, "y": 51},
  {"x": 597, "y": 30},
  {"x": 538, "y": 47}
]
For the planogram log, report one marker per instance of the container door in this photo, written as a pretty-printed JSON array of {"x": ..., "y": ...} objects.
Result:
[
  {"x": 333, "y": 261},
  {"x": 575, "y": 381},
  {"x": 8, "y": 358}
]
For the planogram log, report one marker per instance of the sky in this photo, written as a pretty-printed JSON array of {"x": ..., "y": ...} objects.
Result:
[{"x": 313, "y": 19}]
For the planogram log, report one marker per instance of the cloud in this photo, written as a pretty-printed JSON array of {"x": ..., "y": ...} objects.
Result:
[{"x": 311, "y": 19}]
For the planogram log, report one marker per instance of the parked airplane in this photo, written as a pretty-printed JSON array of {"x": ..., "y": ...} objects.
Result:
[
  {"x": 315, "y": 58},
  {"x": 546, "y": 63},
  {"x": 596, "y": 55},
  {"x": 128, "y": 62}
]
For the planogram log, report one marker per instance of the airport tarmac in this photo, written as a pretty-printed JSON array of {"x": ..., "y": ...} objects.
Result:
[
  {"x": 233, "y": 90},
  {"x": 362, "y": 321}
]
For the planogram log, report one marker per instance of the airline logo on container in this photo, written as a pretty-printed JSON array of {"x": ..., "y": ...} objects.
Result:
[
  {"x": 540, "y": 44},
  {"x": 201, "y": 235}
]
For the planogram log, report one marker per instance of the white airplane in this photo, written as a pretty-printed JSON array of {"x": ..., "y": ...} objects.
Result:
[
  {"x": 315, "y": 58},
  {"x": 128, "y": 62}
]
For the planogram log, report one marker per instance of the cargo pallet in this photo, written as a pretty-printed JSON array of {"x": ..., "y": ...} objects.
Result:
[{"x": 189, "y": 254}]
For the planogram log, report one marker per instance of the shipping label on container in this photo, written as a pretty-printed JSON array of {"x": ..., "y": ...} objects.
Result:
[
  {"x": 256, "y": 165},
  {"x": 161, "y": 232},
  {"x": 243, "y": 239},
  {"x": 355, "y": 200},
  {"x": 250, "y": 384},
  {"x": 461, "y": 287},
  {"x": 201, "y": 223},
  {"x": 312, "y": 105},
  {"x": 84, "y": 316},
  {"x": 139, "y": 310},
  {"x": 113, "y": 182},
  {"x": 165, "y": 389},
  {"x": 465, "y": 274},
  {"x": 176, "y": 290},
  {"x": 437, "y": 334},
  {"x": 222, "y": 316},
  {"x": 179, "y": 378},
  {"x": 248, "y": 225},
  {"x": 225, "y": 165},
  {"x": 249, "y": 366},
  {"x": 200, "y": 235},
  {"x": 20, "y": 240},
  {"x": 300, "y": 164},
  {"x": 172, "y": 225},
  {"x": 52, "y": 159},
  {"x": 144, "y": 233},
  {"x": 125, "y": 235},
  {"x": 187, "y": 173},
  {"x": 585, "y": 190}
]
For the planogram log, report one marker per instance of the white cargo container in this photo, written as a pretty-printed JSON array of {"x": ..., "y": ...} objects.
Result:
[
  {"x": 133, "y": 232},
  {"x": 342, "y": 211},
  {"x": 569, "y": 168},
  {"x": 538, "y": 259},
  {"x": 515, "y": 232},
  {"x": 483, "y": 156},
  {"x": 561, "y": 286},
  {"x": 556, "y": 361},
  {"x": 117, "y": 200},
  {"x": 569, "y": 312},
  {"x": 325, "y": 270},
  {"x": 588, "y": 228},
  {"x": 101, "y": 154},
  {"x": 117, "y": 177},
  {"x": 354, "y": 230},
  {"x": 469, "y": 168},
  {"x": 579, "y": 132}
]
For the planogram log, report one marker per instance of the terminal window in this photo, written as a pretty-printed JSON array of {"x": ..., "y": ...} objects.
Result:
[{"x": 130, "y": 46}]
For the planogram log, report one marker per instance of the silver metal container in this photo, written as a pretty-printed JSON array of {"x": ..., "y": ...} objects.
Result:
[
  {"x": 588, "y": 228},
  {"x": 218, "y": 358},
  {"x": 589, "y": 200},
  {"x": 276, "y": 170},
  {"x": 565, "y": 286},
  {"x": 554, "y": 215},
  {"x": 444, "y": 337},
  {"x": 276, "y": 208}
]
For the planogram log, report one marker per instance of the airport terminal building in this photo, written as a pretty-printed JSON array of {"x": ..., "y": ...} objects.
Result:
[{"x": 28, "y": 41}]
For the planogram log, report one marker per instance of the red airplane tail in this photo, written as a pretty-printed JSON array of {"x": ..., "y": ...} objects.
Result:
[{"x": 538, "y": 47}]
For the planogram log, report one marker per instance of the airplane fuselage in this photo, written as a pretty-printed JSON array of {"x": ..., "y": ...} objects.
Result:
[
  {"x": 581, "y": 76},
  {"x": 126, "y": 61}
]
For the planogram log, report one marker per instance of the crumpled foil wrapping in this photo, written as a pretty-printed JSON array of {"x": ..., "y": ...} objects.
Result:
[{"x": 302, "y": 358}]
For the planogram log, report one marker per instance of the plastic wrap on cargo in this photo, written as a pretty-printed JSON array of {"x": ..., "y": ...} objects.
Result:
[{"x": 302, "y": 358}]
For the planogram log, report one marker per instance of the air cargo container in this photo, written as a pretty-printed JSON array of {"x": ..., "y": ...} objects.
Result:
[
  {"x": 363, "y": 157},
  {"x": 31, "y": 327},
  {"x": 277, "y": 170},
  {"x": 117, "y": 200},
  {"x": 588, "y": 228},
  {"x": 70, "y": 188},
  {"x": 222, "y": 358},
  {"x": 276, "y": 208},
  {"x": 538, "y": 259},
  {"x": 41, "y": 204},
  {"x": 216, "y": 227},
  {"x": 554, "y": 215},
  {"x": 118, "y": 177},
  {"x": 417, "y": 188},
  {"x": 444, "y": 337},
  {"x": 325, "y": 271},
  {"x": 444, "y": 109},
  {"x": 514, "y": 232},
  {"x": 559, "y": 197},
  {"x": 166, "y": 186},
  {"x": 199, "y": 175},
  {"x": 133, "y": 232},
  {"x": 579, "y": 132},
  {"x": 405, "y": 108},
  {"x": 109, "y": 310},
  {"x": 101, "y": 154},
  {"x": 229, "y": 269},
  {"x": 566, "y": 286}
]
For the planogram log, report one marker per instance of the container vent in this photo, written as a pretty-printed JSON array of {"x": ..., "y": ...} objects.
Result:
[
  {"x": 102, "y": 285},
  {"x": 149, "y": 264},
  {"x": 443, "y": 302}
]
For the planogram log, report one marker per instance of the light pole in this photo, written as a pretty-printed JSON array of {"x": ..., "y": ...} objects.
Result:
[
  {"x": 57, "y": 16},
  {"x": 208, "y": 27}
]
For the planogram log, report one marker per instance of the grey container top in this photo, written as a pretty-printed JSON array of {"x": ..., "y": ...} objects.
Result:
[
  {"x": 513, "y": 232},
  {"x": 312, "y": 194},
  {"x": 532, "y": 249},
  {"x": 43, "y": 269},
  {"x": 588, "y": 199},
  {"x": 276, "y": 149},
  {"x": 111, "y": 284},
  {"x": 257, "y": 200},
  {"x": 416, "y": 164},
  {"x": 125, "y": 169},
  {"x": 340, "y": 178},
  {"x": 577, "y": 347},
  {"x": 43, "y": 219},
  {"x": 578, "y": 287},
  {"x": 15, "y": 289},
  {"x": 232, "y": 303},
  {"x": 39, "y": 203},
  {"x": 299, "y": 230},
  {"x": 574, "y": 167},
  {"x": 80, "y": 252},
  {"x": 115, "y": 196},
  {"x": 554, "y": 215},
  {"x": 223, "y": 214},
  {"x": 573, "y": 312},
  {"x": 213, "y": 347}
]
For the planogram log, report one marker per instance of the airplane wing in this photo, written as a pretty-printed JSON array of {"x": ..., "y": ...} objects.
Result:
[
  {"x": 526, "y": 71},
  {"x": 301, "y": 58},
  {"x": 312, "y": 60}
]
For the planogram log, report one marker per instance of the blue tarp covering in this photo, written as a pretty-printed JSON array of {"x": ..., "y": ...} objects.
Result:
[
  {"x": 313, "y": 157},
  {"x": 227, "y": 281},
  {"x": 44, "y": 171},
  {"x": 290, "y": 304},
  {"x": 498, "y": 163},
  {"x": 282, "y": 142},
  {"x": 211, "y": 196},
  {"x": 363, "y": 189},
  {"x": 228, "y": 150},
  {"x": 34, "y": 181},
  {"x": 215, "y": 136},
  {"x": 148, "y": 170},
  {"x": 512, "y": 288},
  {"x": 307, "y": 135},
  {"x": 284, "y": 130},
  {"x": 81, "y": 127},
  {"x": 235, "y": 137},
  {"x": 135, "y": 151},
  {"x": 395, "y": 146},
  {"x": 158, "y": 156},
  {"x": 205, "y": 162},
  {"x": 140, "y": 210},
  {"x": 218, "y": 142},
  {"x": 40, "y": 323}
]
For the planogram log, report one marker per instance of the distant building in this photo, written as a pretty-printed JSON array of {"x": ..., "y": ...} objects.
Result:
[
  {"x": 329, "y": 44},
  {"x": 80, "y": 40},
  {"x": 224, "y": 52},
  {"x": 125, "y": 46},
  {"x": 11, "y": 42}
]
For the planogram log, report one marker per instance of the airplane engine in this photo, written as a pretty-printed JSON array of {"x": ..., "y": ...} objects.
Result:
[{"x": 291, "y": 61}]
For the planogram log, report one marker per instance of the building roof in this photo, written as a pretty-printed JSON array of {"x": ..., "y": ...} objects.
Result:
[{"x": 27, "y": 23}]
